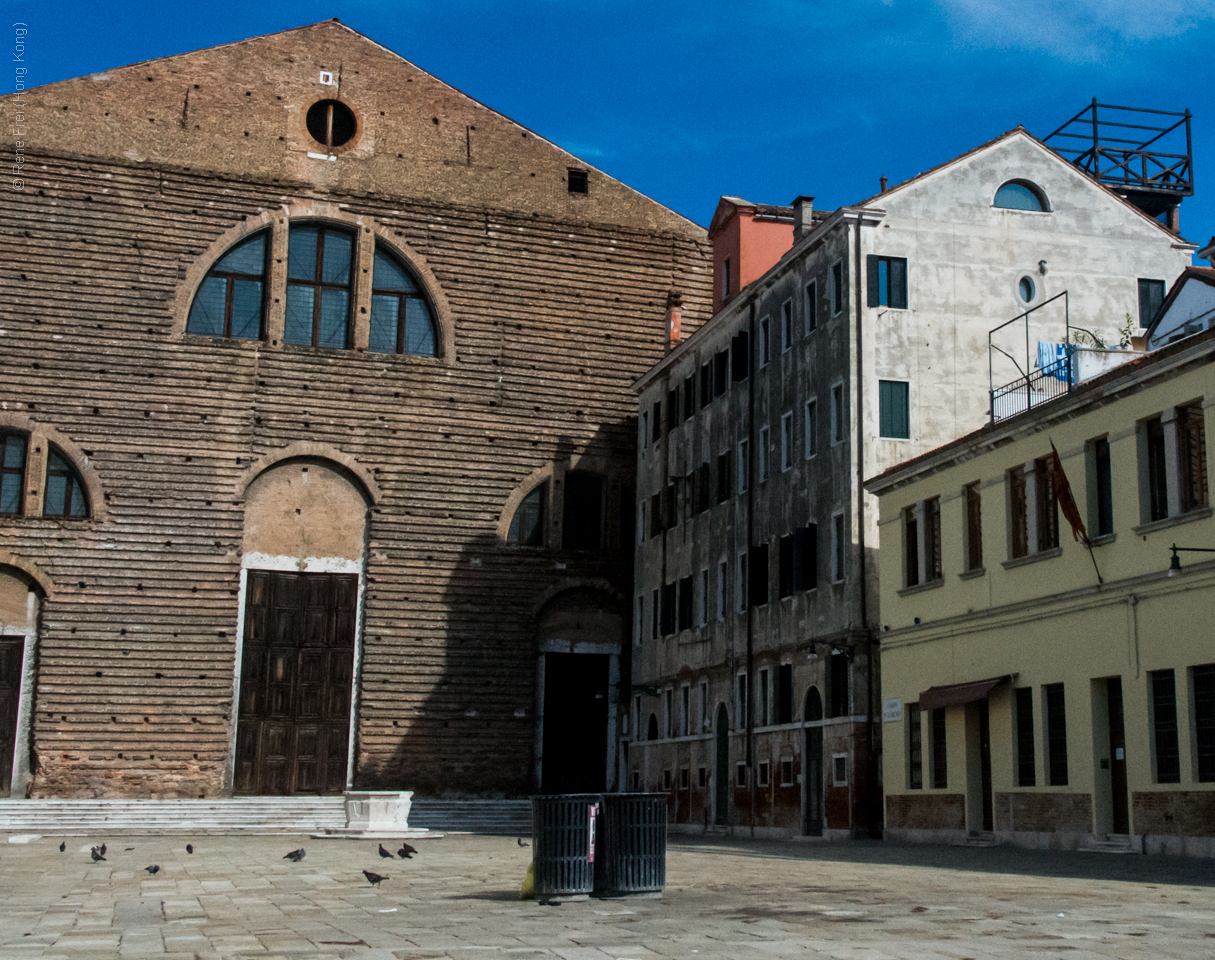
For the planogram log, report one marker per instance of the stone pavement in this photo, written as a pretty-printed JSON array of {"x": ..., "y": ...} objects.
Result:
[{"x": 235, "y": 897}]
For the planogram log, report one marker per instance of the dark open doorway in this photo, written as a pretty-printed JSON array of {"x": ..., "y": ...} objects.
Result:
[
  {"x": 1118, "y": 805},
  {"x": 12, "y": 650},
  {"x": 985, "y": 765},
  {"x": 721, "y": 768},
  {"x": 574, "y": 758},
  {"x": 812, "y": 769}
]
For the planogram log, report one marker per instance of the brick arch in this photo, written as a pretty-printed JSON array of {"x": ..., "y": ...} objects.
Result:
[
  {"x": 568, "y": 584},
  {"x": 310, "y": 450},
  {"x": 30, "y": 572},
  {"x": 40, "y": 434}
]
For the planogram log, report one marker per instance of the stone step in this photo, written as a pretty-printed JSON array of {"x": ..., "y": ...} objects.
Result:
[
  {"x": 264, "y": 814},
  {"x": 1117, "y": 843},
  {"x": 507, "y": 818}
]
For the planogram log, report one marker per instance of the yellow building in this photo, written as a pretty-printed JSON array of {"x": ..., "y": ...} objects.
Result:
[{"x": 1025, "y": 698}]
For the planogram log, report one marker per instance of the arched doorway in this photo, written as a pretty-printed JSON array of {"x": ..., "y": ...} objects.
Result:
[
  {"x": 19, "y": 601},
  {"x": 721, "y": 768},
  {"x": 301, "y": 566},
  {"x": 812, "y": 765},
  {"x": 578, "y": 677}
]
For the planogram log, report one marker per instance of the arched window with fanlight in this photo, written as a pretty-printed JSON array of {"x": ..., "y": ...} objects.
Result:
[
  {"x": 12, "y": 471},
  {"x": 1021, "y": 195},
  {"x": 65, "y": 495},
  {"x": 527, "y": 525},
  {"x": 401, "y": 319},
  {"x": 230, "y": 301},
  {"x": 318, "y": 285}
]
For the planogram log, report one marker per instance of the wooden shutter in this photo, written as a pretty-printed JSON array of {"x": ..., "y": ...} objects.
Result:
[{"x": 871, "y": 272}]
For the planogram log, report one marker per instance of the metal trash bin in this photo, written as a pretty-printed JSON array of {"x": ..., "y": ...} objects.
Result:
[
  {"x": 561, "y": 845},
  {"x": 631, "y": 852}
]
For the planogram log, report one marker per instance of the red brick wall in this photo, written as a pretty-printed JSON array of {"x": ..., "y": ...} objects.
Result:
[
  {"x": 928, "y": 811},
  {"x": 1043, "y": 812},
  {"x": 1190, "y": 813}
]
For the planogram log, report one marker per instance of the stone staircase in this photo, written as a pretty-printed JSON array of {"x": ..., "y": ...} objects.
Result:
[
  {"x": 268, "y": 815},
  {"x": 1112, "y": 843},
  {"x": 978, "y": 838},
  {"x": 504, "y": 818}
]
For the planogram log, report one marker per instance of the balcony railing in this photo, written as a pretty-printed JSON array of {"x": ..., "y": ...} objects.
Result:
[{"x": 1038, "y": 387}]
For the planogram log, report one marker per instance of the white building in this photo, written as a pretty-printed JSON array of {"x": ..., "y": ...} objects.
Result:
[{"x": 865, "y": 345}]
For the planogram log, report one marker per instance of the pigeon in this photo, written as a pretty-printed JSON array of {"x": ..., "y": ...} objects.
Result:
[
  {"x": 63, "y": 846},
  {"x": 102, "y": 849},
  {"x": 129, "y": 848},
  {"x": 384, "y": 853},
  {"x": 189, "y": 848},
  {"x": 406, "y": 852},
  {"x": 295, "y": 856},
  {"x": 154, "y": 869},
  {"x": 373, "y": 878},
  {"x": 522, "y": 842},
  {"x": 96, "y": 855}
]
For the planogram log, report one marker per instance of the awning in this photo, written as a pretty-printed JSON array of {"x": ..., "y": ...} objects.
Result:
[{"x": 957, "y": 694}]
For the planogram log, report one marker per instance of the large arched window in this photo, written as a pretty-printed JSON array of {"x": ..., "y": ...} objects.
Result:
[
  {"x": 318, "y": 285},
  {"x": 230, "y": 301},
  {"x": 64, "y": 488},
  {"x": 527, "y": 525},
  {"x": 1021, "y": 195},
  {"x": 12, "y": 471},
  {"x": 401, "y": 319}
]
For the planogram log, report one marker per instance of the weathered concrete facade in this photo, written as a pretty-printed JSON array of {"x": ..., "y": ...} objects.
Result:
[
  {"x": 831, "y": 370},
  {"x": 383, "y": 485}
]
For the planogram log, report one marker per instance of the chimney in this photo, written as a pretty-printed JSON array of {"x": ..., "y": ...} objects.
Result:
[
  {"x": 803, "y": 207},
  {"x": 882, "y": 181},
  {"x": 674, "y": 318}
]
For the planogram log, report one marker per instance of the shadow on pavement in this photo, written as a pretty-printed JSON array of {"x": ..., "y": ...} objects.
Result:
[{"x": 1131, "y": 868}]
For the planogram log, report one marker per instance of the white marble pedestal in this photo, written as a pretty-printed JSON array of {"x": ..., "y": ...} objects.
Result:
[{"x": 378, "y": 815}]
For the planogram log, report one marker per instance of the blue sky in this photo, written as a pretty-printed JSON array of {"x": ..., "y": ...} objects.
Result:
[{"x": 765, "y": 99}]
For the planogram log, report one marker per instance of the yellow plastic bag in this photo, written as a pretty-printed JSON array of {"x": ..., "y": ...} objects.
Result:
[{"x": 528, "y": 890}]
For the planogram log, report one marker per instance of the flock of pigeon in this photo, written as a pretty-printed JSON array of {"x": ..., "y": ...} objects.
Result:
[{"x": 295, "y": 856}]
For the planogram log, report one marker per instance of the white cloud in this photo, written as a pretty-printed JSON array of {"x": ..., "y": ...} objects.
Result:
[{"x": 1090, "y": 30}]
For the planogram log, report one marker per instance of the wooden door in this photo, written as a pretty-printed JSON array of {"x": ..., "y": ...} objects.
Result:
[
  {"x": 12, "y": 651},
  {"x": 293, "y": 728},
  {"x": 985, "y": 765}
]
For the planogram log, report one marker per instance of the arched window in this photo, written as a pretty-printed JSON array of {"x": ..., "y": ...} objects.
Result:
[
  {"x": 230, "y": 300},
  {"x": 813, "y": 709},
  {"x": 401, "y": 319},
  {"x": 527, "y": 525},
  {"x": 1021, "y": 195},
  {"x": 12, "y": 471},
  {"x": 64, "y": 489},
  {"x": 318, "y": 285}
]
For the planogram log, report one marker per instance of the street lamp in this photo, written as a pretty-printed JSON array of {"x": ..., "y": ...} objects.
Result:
[{"x": 1175, "y": 563}]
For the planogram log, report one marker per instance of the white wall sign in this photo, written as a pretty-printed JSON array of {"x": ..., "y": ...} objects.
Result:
[{"x": 892, "y": 710}]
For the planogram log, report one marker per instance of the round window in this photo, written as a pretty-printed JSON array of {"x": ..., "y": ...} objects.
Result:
[
  {"x": 1027, "y": 289},
  {"x": 331, "y": 123}
]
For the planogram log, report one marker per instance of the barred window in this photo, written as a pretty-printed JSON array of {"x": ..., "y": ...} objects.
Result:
[
  {"x": 401, "y": 319},
  {"x": 1204, "y": 721},
  {"x": 1026, "y": 776},
  {"x": 1192, "y": 452},
  {"x": 1056, "y": 735},
  {"x": 1164, "y": 726},
  {"x": 915, "y": 750},
  {"x": 230, "y": 301}
]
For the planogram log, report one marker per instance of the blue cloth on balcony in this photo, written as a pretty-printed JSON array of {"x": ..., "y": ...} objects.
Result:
[{"x": 1050, "y": 355}]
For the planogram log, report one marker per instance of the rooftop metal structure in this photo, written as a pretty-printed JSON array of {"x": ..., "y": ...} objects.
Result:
[{"x": 1135, "y": 152}]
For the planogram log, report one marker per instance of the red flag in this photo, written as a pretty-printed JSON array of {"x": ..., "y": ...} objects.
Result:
[{"x": 1067, "y": 503}]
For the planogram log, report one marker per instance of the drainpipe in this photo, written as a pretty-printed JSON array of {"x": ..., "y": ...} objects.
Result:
[
  {"x": 751, "y": 441},
  {"x": 863, "y": 593}
]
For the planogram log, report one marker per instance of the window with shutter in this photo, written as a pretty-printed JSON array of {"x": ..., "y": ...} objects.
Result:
[
  {"x": 894, "y": 414},
  {"x": 887, "y": 282}
]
